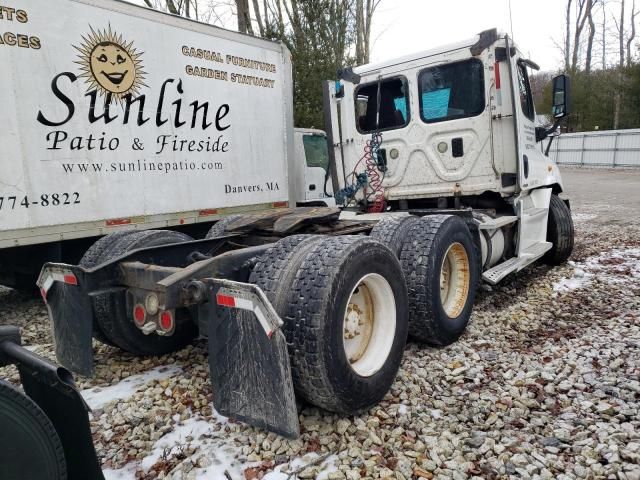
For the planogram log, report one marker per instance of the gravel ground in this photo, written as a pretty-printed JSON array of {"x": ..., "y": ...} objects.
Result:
[{"x": 543, "y": 384}]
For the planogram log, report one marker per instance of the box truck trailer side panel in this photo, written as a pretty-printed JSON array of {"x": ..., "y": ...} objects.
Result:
[{"x": 112, "y": 111}]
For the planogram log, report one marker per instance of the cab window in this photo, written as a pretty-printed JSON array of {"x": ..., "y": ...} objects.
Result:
[
  {"x": 316, "y": 151},
  {"x": 526, "y": 99},
  {"x": 451, "y": 91},
  {"x": 394, "y": 105}
]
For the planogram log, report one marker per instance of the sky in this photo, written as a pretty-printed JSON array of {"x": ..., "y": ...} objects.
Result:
[{"x": 401, "y": 27}]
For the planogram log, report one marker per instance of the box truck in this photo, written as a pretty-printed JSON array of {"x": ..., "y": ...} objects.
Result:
[
  {"x": 102, "y": 128},
  {"x": 434, "y": 162}
]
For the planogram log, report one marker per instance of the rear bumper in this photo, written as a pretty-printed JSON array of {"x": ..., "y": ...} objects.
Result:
[{"x": 248, "y": 357}]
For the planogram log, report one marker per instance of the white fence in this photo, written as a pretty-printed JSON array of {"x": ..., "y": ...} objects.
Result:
[{"x": 611, "y": 148}]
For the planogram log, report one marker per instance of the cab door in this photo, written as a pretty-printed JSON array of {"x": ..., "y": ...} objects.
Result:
[
  {"x": 533, "y": 202},
  {"x": 532, "y": 163},
  {"x": 375, "y": 109}
]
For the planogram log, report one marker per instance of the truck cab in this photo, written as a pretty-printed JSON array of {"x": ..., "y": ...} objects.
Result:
[
  {"x": 455, "y": 121},
  {"x": 448, "y": 128}
]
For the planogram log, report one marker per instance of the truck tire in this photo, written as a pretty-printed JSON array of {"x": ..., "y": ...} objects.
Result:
[
  {"x": 117, "y": 327},
  {"x": 95, "y": 256},
  {"x": 391, "y": 232},
  {"x": 279, "y": 265},
  {"x": 220, "y": 227},
  {"x": 343, "y": 302},
  {"x": 31, "y": 447},
  {"x": 559, "y": 232},
  {"x": 439, "y": 260}
]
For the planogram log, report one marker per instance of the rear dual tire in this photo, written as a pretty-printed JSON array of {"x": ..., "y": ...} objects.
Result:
[
  {"x": 114, "y": 325},
  {"x": 392, "y": 231},
  {"x": 439, "y": 259},
  {"x": 440, "y": 262},
  {"x": 220, "y": 227},
  {"x": 343, "y": 303}
]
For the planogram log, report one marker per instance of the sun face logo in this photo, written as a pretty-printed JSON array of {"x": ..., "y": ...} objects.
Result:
[{"x": 110, "y": 65}]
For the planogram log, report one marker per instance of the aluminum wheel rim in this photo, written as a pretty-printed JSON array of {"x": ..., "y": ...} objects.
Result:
[
  {"x": 454, "y": 280},
  {"x": 369, "y": 324}
]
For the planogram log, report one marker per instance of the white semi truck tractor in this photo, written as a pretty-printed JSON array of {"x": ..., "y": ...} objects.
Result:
[{"x": 434, "y": 162}]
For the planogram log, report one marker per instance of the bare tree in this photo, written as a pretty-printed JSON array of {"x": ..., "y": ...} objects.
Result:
[
  {"x": 184, "y": 8},
  {"x": 604, "y": 39},
  {"x": 617, "y": 99},
  {"x": 582, "y": 14},
  {"x": 244, "y": 17},
  {"x": 364, "y": 10},
  {"x": 169, "y": 4},
  {"x": 621, "y": 33},
  {"x": 258, "y": 15},
  {"x": 567, "y": 38},
  {"x": 632, "y": 35},
  {"x": 592, "y": 34}
]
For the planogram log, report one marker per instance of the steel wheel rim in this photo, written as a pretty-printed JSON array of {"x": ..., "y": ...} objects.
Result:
[
  {"x": 369, "y": 324},
  {"x": 454, "y": 280}
]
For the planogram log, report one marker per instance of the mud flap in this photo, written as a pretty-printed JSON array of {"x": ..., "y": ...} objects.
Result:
[
  {"x": 52, "y": 388},
  {"x": 249, "y": 361},
  {"x": 70, "y": 311}
]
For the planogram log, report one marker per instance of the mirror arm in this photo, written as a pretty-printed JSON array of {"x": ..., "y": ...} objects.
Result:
[{"x": 548, "y": 132}]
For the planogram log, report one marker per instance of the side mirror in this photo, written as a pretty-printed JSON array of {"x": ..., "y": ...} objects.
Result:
[{"x": 561, "y": 96}]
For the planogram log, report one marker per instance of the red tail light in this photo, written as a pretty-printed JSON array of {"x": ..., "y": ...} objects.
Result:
[
  {"x": 166, "y": 321},
  {"x": 139, "y": 315}
]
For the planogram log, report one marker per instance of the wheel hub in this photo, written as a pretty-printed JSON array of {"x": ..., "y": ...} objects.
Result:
[
  {"x": 354, "y": 321},
  {"x": 369, "y": 324},
  {"x": 455, "y": 278}
]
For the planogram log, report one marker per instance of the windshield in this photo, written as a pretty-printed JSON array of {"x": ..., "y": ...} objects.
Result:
[{"x": 315, "y": 151}]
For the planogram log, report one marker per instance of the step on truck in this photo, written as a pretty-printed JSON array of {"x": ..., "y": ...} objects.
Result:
[{"x": 436, "y": 168}]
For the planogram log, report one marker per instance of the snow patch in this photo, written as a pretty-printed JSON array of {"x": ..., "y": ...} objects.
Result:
[
  {"x": 583, "y": 217},
  {"x": 194, "y": 433},
  {"x": 327, "y": 466},
  {"x": 97, "y": 397},
  {"x": 198, "y": 433},
  {"x": 618, "y": 266},
  {"x": 128, "y": 472}
]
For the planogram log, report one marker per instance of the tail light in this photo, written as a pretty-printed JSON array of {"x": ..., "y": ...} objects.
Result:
[
  {"x": 139, "y": 315},
  {"x": 166, "y": 321}
]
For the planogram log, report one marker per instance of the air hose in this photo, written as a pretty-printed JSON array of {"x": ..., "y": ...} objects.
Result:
[
  {"x": 371, "y": 177},
  {"x": 371, "y": 152}
]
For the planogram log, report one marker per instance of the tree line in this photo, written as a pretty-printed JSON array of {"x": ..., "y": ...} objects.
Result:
[
  {"x": 599, "y": 50},
  {"x": 322, "y": 36},
  {"x": 600, "y": 54}
]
